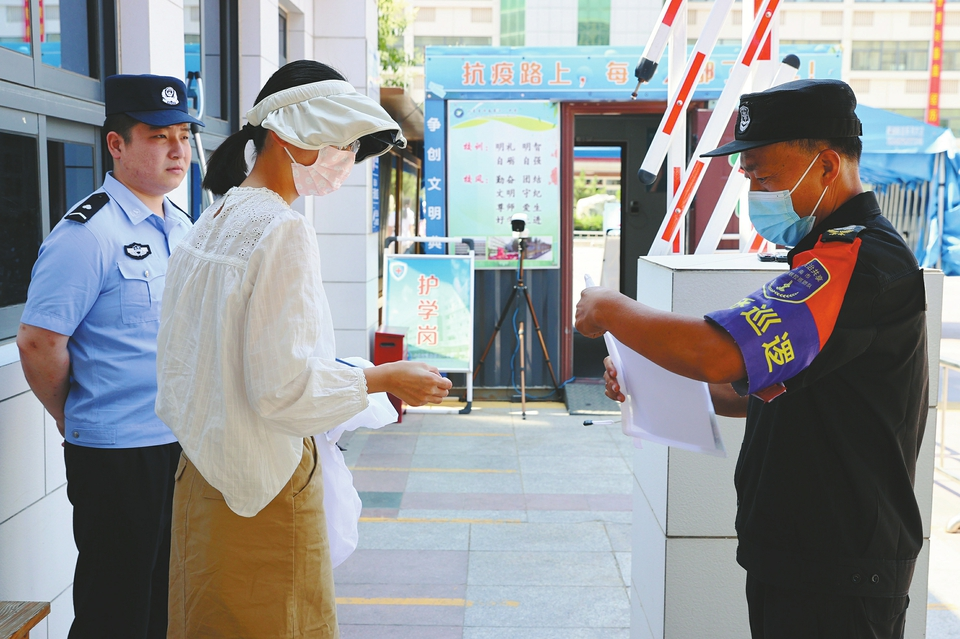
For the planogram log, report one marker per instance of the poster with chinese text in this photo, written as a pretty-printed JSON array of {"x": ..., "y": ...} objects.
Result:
[
  {"x": 503, "y": 158},
  {"x": 432, "y": 296}
]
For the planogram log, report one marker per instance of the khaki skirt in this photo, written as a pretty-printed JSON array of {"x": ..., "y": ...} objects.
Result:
[{"x": 259, "y": 577}]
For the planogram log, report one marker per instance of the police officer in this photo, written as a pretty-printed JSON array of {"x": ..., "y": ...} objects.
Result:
[
  {"x": 88, "y": 345},
  {"x": 832, "y": 355}
]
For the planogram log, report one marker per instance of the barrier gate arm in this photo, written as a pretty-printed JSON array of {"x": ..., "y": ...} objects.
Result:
[
  {"x": 680, "y": 99},
  {"x": 729, "y": 97}
]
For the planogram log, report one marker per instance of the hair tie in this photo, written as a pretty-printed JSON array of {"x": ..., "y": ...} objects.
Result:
[{"x": 248, "y": 129}]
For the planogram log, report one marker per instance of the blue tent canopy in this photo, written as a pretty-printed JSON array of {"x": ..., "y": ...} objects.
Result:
[{"x": 904, "y": 151}]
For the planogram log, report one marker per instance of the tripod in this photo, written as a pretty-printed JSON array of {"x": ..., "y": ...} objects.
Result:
[{"x": 519, "y": 287}]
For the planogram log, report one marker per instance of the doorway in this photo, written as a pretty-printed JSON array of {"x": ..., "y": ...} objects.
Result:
[{"x": 607, "y": 129}]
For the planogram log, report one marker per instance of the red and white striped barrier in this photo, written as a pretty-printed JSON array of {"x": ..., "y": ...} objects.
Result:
[
  {"x": 736, "y": 183},
  {"x": 729, "y": 98},
  {"x": 677, "y": 105},
  {"x": 650, "y": 58}
]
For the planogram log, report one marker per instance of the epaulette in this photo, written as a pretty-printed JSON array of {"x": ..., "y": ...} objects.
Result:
[
  {"x": 843, "y": 234},
  {"x": 88, "y": 208}
]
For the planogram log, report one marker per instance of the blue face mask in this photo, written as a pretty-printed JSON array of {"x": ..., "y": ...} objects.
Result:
[{"x": 772, "y": 214}]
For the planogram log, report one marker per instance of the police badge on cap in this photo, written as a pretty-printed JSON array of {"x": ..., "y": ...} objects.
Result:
[
  {"x": 157, "y": 100},
  {"x": 798, "y": 110}
]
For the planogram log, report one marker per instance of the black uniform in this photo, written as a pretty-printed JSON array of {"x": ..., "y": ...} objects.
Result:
[{"x": 826, "y": 506}]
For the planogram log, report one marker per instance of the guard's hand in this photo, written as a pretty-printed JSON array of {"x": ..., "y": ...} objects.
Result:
[
  {"x": 610, "y": 377},
  {"x": 416, "y": 383},
  {"x": 589, "y": 319}
]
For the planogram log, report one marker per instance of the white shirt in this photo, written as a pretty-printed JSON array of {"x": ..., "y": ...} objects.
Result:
[{"x": 245, "y": 361}]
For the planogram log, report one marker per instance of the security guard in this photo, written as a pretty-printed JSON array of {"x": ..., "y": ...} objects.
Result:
[
  {"x": 833, "y": 357},
  {"x": 88, "y": 346}
]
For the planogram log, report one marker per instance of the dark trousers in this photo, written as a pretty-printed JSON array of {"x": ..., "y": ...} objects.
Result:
[
  {"x": 122, "y": 499},
  {"x": 784, "y": 613}
]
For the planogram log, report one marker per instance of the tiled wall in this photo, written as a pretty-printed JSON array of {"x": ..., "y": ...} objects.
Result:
[{"x": 37, "y": 553}]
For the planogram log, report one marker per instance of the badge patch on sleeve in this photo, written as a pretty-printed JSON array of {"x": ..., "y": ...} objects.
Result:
[
  {"x": 799, "y": 285},
  {"x": 781, "y": 328},
  {"x": 137, "y": 251}
]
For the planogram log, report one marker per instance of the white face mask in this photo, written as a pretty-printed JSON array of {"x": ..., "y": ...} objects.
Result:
[{"x": 324, "y": 176}]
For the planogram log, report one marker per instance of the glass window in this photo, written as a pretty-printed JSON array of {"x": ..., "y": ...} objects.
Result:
[
  {"x": 512, "y": 23},
  {"x": 950, "y": 118},
  {"x": 951, "y": 56},
  {"x": 20, "y": 219},
  {"x": 889, "y": 55},
  {"x": 283, "y": 38},
  {"x": 191, "y": 36},
  {"x": 207, "y": 45},
  {"x": 71, "y": 176},
  {"x": 419, "y": 42},
  {"x": 68, "y": 35},
  {"x": 593, "y": 22},
  {"x": 15, "y": 29}
]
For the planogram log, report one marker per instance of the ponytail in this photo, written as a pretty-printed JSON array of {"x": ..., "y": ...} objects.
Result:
[{"x": 227, "y": 167}]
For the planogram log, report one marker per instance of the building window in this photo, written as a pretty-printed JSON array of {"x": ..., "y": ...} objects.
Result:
[
  {"x": 71, "y": 176},
  {"x": 481, "y": 15},
  {"x": 513, "y": 15},
  {"x": 951, "y": 56},
  {"x": 889, "y": 55},
  {"x": 64, "y": 46},
  {"x": 68, "y": 36},
  {"x": 593, "y": 22},
  {"x": 68, "y": 33},
  {"x": 950, "y": 118},
  {"x": 210, "y": 41},
  {"x": 21, "y": 220},
  {"x": 283, "y": 37},
  {"x": 419, "y": 42},
  {"x": 211, "y": 53}
]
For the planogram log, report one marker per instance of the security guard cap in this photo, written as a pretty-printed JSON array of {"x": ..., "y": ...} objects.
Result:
[
  {"x": 798, "y": 110},
  {"x": 157, "y": 100}
]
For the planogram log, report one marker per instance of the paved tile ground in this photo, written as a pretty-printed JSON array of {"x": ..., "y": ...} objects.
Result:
[{"x": 483, "y": 525}]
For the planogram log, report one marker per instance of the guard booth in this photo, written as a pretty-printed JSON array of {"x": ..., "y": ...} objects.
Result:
[{"x": 502, "y": 126}]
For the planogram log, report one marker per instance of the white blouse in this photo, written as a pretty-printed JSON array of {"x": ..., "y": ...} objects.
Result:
[{"x": 246, "y": 356}]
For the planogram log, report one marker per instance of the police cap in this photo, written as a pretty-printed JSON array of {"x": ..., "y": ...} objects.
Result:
[
  {"x": 798, "y": 110},
  {"x": 157, "y": 100}
]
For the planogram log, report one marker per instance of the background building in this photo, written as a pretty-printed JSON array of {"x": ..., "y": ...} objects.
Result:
[{"x": 885, "y": 45}]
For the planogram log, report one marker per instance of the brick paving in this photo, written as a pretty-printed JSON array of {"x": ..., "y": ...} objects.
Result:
[{"x": 487, "y": 525}]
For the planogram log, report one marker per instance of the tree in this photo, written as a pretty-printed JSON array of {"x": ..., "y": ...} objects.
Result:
[{"x": 393, "y": 19}]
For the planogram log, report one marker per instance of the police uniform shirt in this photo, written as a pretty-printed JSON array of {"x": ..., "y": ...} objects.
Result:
[
  {"x": 836, "y": 356},
  {"x": 99, "y": 278}
]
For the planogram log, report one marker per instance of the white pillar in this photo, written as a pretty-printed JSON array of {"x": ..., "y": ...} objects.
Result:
[
  {"x": 345, "y": 37},
  {"x": 150, "y": 40}
]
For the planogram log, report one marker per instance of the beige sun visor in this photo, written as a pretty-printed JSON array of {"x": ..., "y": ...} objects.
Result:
[{"x": 328, "y": 113}]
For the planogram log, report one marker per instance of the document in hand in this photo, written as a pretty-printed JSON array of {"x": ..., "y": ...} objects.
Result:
[{"x": 664, "y": 407}]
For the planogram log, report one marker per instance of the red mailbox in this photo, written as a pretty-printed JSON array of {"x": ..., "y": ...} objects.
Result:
[{"x": 388, "y": 346}]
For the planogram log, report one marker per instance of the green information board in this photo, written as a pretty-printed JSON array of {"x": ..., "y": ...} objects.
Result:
[{"x": 432, "y": 296}]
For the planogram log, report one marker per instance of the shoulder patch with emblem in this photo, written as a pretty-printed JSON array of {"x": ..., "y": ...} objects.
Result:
[
  {"x": 137, "y": 251},
  {"x": 843, "y": 234},
  {"x": 88, "y": 208}
]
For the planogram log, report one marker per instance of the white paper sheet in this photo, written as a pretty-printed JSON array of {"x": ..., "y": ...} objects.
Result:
[{"x": 661, "y": 406}]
